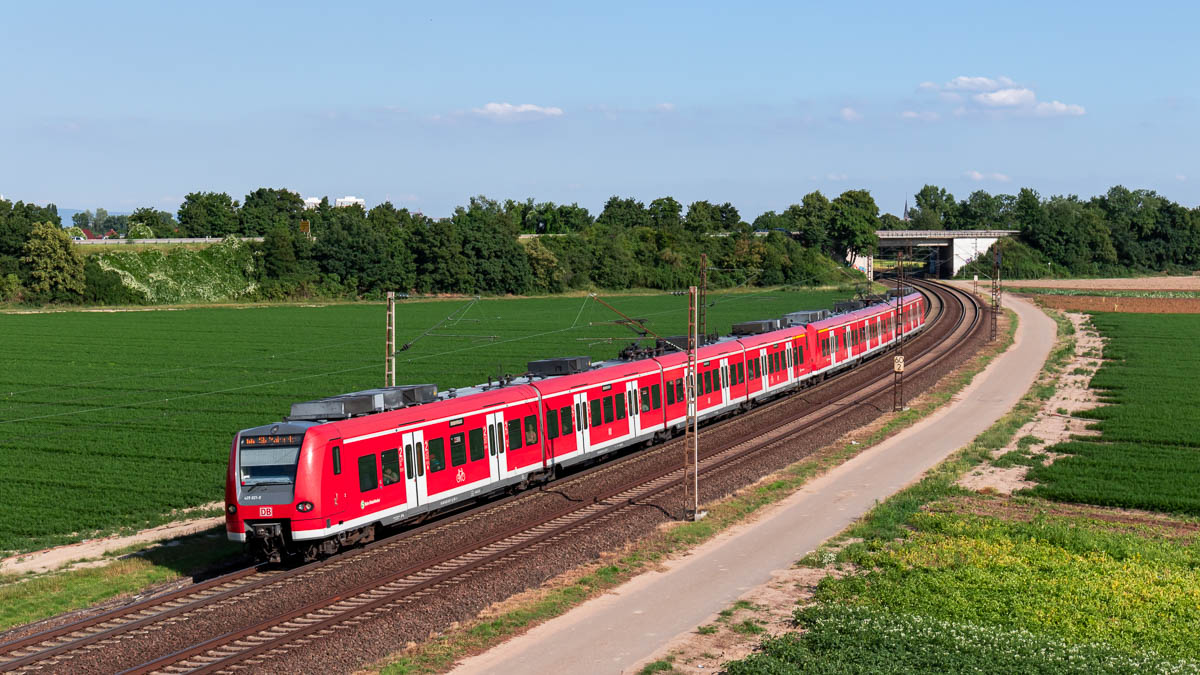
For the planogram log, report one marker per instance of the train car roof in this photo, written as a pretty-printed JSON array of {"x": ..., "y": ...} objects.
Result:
[
  {"x": 724, "y": 346},
  {"x": 771, "y": 338},
  {"x": 446, "y": 407},
  {"x": 605, "y": 372}
]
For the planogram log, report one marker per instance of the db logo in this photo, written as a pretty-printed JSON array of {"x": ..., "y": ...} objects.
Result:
[
  {"x": 264, "y": 512},
  {"x": 461, "y": 476}
]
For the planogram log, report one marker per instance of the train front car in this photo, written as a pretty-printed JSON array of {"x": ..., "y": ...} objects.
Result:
[{"x": 271, "y": 483}]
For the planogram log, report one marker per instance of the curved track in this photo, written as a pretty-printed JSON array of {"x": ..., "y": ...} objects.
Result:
[{"x": 954, "y": 317}]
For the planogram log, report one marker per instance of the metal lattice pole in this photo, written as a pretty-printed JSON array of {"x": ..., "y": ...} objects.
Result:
[
  {"x": 702, "y": 299},
  {"x": 898, "y": 359},
  {"x": 995, "y": 318},
  {"x": 691, "y": 434},
  {"x": 389, "y": 350}
]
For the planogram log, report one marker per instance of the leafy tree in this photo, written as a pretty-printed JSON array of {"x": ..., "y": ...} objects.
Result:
[
  {"x": 666, "y": 214},
  {"x": 852, "y": 227},
  {"x": 55, "y": 267},
  {"x": 811, "y": 220},
  {"x": 140, "y": 231},
  {"x": 982, "y": 211},
  {"x": 489, "y": 243},
  {"x": 623, "y": 214},
  {"x": 769, "y": 220},
  {"x": 82, "y": 220},
  {"x": 441, "y": 265},
  {"x": 208, "y": 214},
  {"x": 889, "y": 221},
  {"x": 16, "y": 223},
  {"x": 160, "y": 223},
  {"x": 935, "y": 210},
  {"x": 266, "y": 208}
]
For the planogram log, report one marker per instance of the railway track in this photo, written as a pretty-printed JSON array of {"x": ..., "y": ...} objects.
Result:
[{"x": 251, "y": 646}]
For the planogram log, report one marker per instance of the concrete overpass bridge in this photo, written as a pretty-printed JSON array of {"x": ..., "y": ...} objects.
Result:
[{"x": 947, "y": 250}]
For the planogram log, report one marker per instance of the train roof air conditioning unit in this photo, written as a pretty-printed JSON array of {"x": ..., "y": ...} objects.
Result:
[
  {"x": 804, "y": 317},
  {"x": 757, "y": 327},
  {"x": 565, "y": 365},
  {"x": 366, "y": 402},
  {"x": 843, "y": 306}
]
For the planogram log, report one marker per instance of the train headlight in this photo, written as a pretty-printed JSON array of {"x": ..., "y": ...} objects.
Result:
[
  {"x": 304, "y": 507},
  {"x": 232, "y": 509}
]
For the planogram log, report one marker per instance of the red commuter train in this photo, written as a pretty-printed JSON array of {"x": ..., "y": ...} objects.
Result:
[{"x": 334, "y": 470}]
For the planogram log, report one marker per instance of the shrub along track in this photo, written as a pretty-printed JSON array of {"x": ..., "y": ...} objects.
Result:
[{"x": 368, "y": 602}]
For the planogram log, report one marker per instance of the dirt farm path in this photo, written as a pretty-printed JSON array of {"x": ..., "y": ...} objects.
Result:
[
  {"x": 658, "y": 610},
  {"x": 89, "y": 550}
]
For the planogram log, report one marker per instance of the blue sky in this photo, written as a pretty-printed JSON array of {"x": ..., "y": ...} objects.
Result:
[{"x": 136, "y": 104}]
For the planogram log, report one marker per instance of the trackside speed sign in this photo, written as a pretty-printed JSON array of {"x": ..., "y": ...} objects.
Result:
[{"x": 898, "y": 364}]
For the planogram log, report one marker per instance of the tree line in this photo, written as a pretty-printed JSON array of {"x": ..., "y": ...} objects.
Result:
[
  {"x": 1118, "y": 233},
  {"x": 480, "y": 248}
]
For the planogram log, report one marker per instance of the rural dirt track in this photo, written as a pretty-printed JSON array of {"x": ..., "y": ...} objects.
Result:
[
  {"x": 1092, "y": 303},
  {"x": 1124, "y": 284}
]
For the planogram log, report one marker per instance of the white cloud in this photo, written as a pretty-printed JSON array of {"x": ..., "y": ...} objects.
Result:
[
  {"x": 996, "y": 96},
  {"x": 836, "y": 176},
  {"x": 965, "y": 83},
  {"x": 850, "y": 114},
  {"x": 1058, "y": 108},
  {"x": 510, "y": 111},
  {"x": 665, "y": 107},
  {"x": 1007, "y": 98},
  {"x": 924, "y": 115},
  {"x": 1180, "y": 177},
  {"x": 978, "y": 176}
]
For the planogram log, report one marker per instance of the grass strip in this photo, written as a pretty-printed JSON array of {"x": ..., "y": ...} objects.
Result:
[{"x": 26, "y": 598}]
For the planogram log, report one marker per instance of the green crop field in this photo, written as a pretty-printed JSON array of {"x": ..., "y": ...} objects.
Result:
[
  {"x": 1148, "y": 454},
  {"x": 114, "y": 419}
]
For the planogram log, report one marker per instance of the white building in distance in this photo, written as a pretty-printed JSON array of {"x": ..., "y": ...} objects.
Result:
[
  {"x": 312, "y": 203},
  {"x": 350, "y": 200}
]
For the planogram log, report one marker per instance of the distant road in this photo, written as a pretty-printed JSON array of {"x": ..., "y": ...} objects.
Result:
[{"x": 178, "y": 240}]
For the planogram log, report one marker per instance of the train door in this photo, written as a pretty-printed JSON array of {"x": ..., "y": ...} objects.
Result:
[
  {"x": 415, "y": 491},
  {"x": 336, "y": 492},
  {"x": 635, "y": 410},
  {"x": 581, "y": 421},
  {"x": 495, "y": 425},
  {"x": 725, "y": 385}
]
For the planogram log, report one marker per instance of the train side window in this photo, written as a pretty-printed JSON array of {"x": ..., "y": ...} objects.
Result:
[
  {"x": 596, "y": 412},
  {"x": 408, "y": 461},
  {"x": 514, "y": 434},
  {"x": 644, "y": 399},
  {"x": 531, "y": 425},
  {"x": 670, "y": 393},
  {"x": 390, "y": 459},
  {"x": 368, "y": 478},
  {"x": 679, "y": 390},
  {"x": 620, "y": 406},
  {"x": 492, "y": 439},
  {"x": 475, "y": 436},
  {"x": 458, "y": 450},
  {"x": 551, "y": 424},
  {"x": 337, "y": 460},
  {"x": 608, "y": 409},
  {"x": 437, "y": 455},
  {"x": 800, "y": 354},
  {"x": 656, "y": 396},
  {"x": 566, "y": 420},
  {"x": 741, "y": 373},
  {"x": 705, "y": 382},
  {"x": 420, "y": 458}
]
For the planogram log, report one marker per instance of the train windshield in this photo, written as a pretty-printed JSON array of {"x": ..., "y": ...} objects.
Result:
[{"x": 269, "y": 465}]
